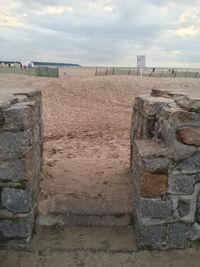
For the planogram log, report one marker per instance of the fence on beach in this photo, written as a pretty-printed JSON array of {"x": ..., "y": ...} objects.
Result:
[
  {"x": 35, "y": 71},
  {"x": 171, "y": 73}
]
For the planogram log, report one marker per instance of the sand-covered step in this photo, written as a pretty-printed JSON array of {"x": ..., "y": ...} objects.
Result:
[
  {"x": 75, "y": 212},
  {"x": 72, "y": 238}
]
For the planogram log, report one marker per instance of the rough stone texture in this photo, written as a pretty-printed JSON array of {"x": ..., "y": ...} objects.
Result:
[
  {"x": 150, "y": 237},
  {"x": 16, "y": 229},
  {"x": 184, "y": 208},
  {"x": 189, "y": 135},
  {"x": 17, "y": 200},
  {"x": 181, "y": 183},
  {"x": 154, "y": 208},
  {"x": 177, "y": 235},
  {"x": 153, "y": 184},
  {"x": 20, "y": 164},
  {"x": 165, "y": 167}
]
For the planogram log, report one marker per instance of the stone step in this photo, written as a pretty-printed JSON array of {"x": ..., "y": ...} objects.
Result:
[
  {"x": 76, "y": 212},
  {"x": 74, "y": 238}
]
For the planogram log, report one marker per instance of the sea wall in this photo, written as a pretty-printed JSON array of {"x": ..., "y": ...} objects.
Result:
[
  {"x": 20, "y": 164},
  {"x": 165, "y": 163}
]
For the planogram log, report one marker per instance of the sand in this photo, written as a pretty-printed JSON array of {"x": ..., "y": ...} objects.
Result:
[{"x": 86, "y": 130}]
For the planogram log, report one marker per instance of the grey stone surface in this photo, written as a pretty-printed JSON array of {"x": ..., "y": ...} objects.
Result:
[
  {"x": 17, "y": 200},
  {"x": 177, "y": 235},
  {"x": 89, "y": 207},
  {"x": 154, "y": 208},
  {"x": 84, "y": 220},
  {"x": 181, "y": 183},
  {"x": 18, "y": 116},
  {"x": 198, "y": 208},
  {"x": 173, "y": 115},
  {"x": 194, "y": 233},
  {"x": 13, "y": 170},
  {"x": 150, "y": 105},
  {"x": 20, "y": 164},
  {"x": 15, "y": 144},
  {"x": 17, "y": 228},
  {"x": 150, "y": 237},
  {"x": 190, "y": 165},
  {"x": 183, "y": 208},
  {"x": 150, "y": 156}
]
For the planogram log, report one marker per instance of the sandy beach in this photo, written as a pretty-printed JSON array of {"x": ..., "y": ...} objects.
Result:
[{"x": 86, "y": 130}]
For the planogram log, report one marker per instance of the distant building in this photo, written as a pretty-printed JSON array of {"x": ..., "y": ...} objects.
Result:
[{"x": 38, "y": 63}]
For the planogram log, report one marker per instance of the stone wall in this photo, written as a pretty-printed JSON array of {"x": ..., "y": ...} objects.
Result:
[
  {"x": 165, "y": 163},
  {"x": 20, "y": 164}
]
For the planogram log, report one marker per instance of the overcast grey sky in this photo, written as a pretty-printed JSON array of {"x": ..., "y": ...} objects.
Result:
[{"x": 101, "y": 32}]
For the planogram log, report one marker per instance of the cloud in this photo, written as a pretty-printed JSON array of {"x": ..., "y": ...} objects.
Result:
[
  {"x": 186, "y": 32},
  {"x": 101, "y": 32}
]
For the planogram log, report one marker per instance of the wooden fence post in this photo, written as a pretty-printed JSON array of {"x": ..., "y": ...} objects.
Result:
[
  {"x": 106, "y": 71},
  {"x": 186, "y": 74},
  {"x": 113, "y": 70},
  {"x": 95, "y": 72},
  {"x": 175, "y": 74},
  {"x": 196, "y": 75}
]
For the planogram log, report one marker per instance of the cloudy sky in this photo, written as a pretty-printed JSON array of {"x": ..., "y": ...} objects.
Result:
[{"x": 101, "y": 32}]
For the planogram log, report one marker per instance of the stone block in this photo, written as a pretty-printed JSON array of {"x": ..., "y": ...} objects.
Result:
[
  {"x": 153, "y": 185},
  {"x": 198, "y": 208},
  {"x": 17, "y": 200},
  {"x": 189, "y": 103},
  {"x": 151, "y": 105},
  {"x": 17, "y": 116},
  {"x": 150, "y": 236},
  {"x": 37, "y": 133},
  {"x": 15, "y": 229},
  {"x": 191, "y": 165},
  {"x": 181, "y": 117},
  {"x": 181, "y": 183},
  {"x": 189, "y": 135},
  {"x": 194, "y": 233},
  {"x": 153, "y": 208},
  {"x": 177, "y": 235},
  {"x": 183, "y": 208},
  {"x": 13, "y": 170},
  {"x": 15, "y": 144},
  {"x": 22, "y": 170},
  {"x": 150, "y": 156}
]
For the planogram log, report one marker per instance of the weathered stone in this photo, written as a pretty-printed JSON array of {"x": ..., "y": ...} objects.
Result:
[
  {"x": 177, "y": 235},
  {"x": 13, "y": 145},
  {"x": 198, "y": 208},
  {"x": 181, "y": 117},
  {"x": 17, "y": 200},
  {"x": 149, "y": 155},
  {"x": 154, "y": 208},
  {"x": 150, "y": 237},
  {"x": 151, "y": 105},
  {"x": 181, "y": 183},
  {"x": 37, "y": 133},
  {"x": 12, "y": 170},
  {"x": 188, "y": 103},
  {"x": 184, "y": 208},
  {"x": 16, "y": 229},
  {"x": 194, "y": 233},
  {"x": 189, "y": 135},
  {"x": 153, "y": 184},
  {"x": 180, "y": 151},
  {"x": 190, "y": 165},
  {"x": 18, "y": 116}
]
